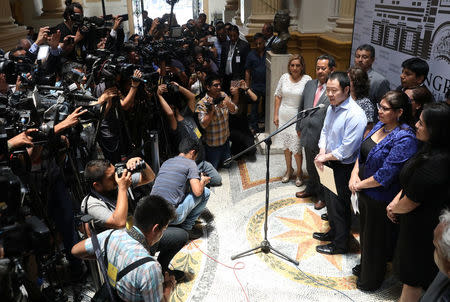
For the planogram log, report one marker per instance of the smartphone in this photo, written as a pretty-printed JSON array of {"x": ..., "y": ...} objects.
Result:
[{"x": 52, "y": 30}]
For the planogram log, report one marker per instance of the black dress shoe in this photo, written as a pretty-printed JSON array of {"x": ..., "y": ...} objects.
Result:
[
  {"x": 356, "y": 270},
  {"x": 319, "y": 205},
  {"x": 329, "y": 249},
  {"x": 303, "y": 194},
  {"x": 323, "y": 236},
  {"x": 324, "y": 216}
]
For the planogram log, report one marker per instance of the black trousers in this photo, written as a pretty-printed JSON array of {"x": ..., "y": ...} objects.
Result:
[
  {"x": 172, "y": 241},
  {"x": 338, "y": 206},
  {"x": 313, "y": 185},
  {"x": 377, "y": 235}
]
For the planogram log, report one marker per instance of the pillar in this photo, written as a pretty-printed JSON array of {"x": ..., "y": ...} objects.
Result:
[
  {"x": 262, "y": 12},
  {"x": 10, "y": 33},
  {"x": 52, "y": 9},
  {"x": 230, "y": 10},
  {"x": 237, "y": 17},
  {"x": 344, "y": 23}
]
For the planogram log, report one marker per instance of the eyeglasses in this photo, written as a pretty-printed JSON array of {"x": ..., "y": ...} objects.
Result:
[
  {"x": 216, "y": 85},
  {"x": 382, "y": 108}
]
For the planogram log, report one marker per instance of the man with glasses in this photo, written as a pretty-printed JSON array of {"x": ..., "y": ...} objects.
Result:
[
  {"x": 213, "y": 111},
  {"x": 339, "y": 144}
]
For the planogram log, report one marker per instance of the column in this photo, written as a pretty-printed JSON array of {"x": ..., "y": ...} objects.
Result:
[
  {"x": 262, "y": 11},
  {"x": 344, "y": 24},
  {"x": 52, "y": 9},
  {"x": 230, "y": 10},
  {"x": 333, "y": 13},
  {"x": 10, "y": 33},
  {"x": 237, "y": 16}
]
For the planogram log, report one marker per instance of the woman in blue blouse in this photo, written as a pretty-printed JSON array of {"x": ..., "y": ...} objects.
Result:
[{"x": 375, "y": 177}]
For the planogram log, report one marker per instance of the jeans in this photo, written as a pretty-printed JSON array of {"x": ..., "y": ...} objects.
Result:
[
  {"x": 254, "y": 115},
  {"x": 216, "y": 155},
  {"x": 208, "y": 169},
  {"x": 190, "y": 209}
]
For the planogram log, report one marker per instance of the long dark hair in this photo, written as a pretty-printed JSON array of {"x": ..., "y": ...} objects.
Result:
[
  {"x": 360, "y": 82},
  {"x": 436, "y": 117}
]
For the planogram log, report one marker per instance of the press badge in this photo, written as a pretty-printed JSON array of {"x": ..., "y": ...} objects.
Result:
[
  {"x": 112, "y": 274},
  {"x": 238, "y": 59},
  {"x": 197, "y": 132}
]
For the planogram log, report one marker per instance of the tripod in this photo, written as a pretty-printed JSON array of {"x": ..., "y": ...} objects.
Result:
[{"x": 265, "y": 245}]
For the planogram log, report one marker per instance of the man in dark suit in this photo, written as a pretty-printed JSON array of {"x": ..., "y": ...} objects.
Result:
[
  {"x": 310, "y": 126},
  {"x": 267, "y": 31},
  {"x": 233, "y": 57},
  {"x": 379, "y": 85}
]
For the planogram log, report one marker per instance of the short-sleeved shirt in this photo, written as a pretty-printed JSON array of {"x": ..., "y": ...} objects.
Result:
[
  {"x": 171, "y": 181},
  {"x": 144, "y": 283},
  {"x": 218, "y": 131},
  {"x": 257, "y": 67},
  {"x": 101, "y": 207},
  {"x": 368, "y": 108}
]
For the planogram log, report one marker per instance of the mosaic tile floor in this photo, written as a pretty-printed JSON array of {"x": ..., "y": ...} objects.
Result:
[{"x": 238, "y": 206}]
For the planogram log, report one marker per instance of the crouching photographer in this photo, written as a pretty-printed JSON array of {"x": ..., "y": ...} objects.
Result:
[
  {"x": 108, "y": 202},
  {"x": 123, "y": 248}
]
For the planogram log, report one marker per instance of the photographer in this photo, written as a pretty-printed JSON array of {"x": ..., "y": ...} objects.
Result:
[
  {"x": 114, "y": 136},
  {"x": 108, "y": 203},
  {"x": 73, "y": 17},
  {"x": 213, "y": 114},
  {"x": 146, "y": 282},
  {"x": 183, "y": 125},
  {"x": 181, "y": 184}
]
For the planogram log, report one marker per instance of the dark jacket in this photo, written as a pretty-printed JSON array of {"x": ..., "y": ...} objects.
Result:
[{"x": 238, "y": 68}]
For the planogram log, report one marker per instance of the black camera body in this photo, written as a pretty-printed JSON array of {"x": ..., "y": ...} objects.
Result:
[{"x": 120, "y": 167}]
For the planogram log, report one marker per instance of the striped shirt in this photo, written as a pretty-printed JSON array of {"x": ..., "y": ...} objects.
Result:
[
  {"x": 218, "y": 131},
  {"x": 172, "y": 179},
  {"x": 144, "y": 283}
]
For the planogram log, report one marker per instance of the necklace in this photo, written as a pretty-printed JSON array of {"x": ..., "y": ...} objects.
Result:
[{"x": 386, "y": 130}]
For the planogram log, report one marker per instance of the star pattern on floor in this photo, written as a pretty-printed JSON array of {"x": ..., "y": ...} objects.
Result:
[{"x": 300, "y": 233}]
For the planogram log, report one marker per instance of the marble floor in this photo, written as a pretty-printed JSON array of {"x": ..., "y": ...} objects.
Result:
[{"x": 238, "y": 206}]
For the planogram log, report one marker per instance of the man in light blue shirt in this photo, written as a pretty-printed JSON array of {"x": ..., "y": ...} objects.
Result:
[{"x": 339, "y": 145}]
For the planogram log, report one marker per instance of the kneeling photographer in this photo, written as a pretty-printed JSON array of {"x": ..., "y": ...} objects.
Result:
[
  {"x": 108, "y": 203},
  {"x": 180, "y": 117}
]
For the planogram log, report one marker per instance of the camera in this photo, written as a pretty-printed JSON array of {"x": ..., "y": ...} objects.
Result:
[
  {"x": 119, "y": 167},
  {"x": 217, "y": 101}
]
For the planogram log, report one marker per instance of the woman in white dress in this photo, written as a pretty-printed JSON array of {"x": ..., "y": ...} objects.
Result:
[{"x": 287, "y": 99}]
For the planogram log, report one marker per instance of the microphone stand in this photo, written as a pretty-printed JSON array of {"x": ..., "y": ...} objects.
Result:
[{"x": 265, "y": 245}]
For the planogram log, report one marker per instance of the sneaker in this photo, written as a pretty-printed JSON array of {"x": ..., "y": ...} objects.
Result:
[
  {"x": 207, "y": 216},
  {"x": 195, "y": 234},
  {"x": 179, "y": 275}
]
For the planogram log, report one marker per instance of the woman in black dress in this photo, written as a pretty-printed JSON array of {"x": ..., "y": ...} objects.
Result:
[
  {"x": 425, "y": 192},
  {"x": 376, "y": 177}
]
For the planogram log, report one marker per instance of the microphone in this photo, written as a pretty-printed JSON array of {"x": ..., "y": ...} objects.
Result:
[{"x": 320, "y": 106}]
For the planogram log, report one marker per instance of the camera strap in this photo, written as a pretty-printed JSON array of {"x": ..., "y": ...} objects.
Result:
[
  {"x": 101, "y": 260},
  {"x": 139, "y": 238}
]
